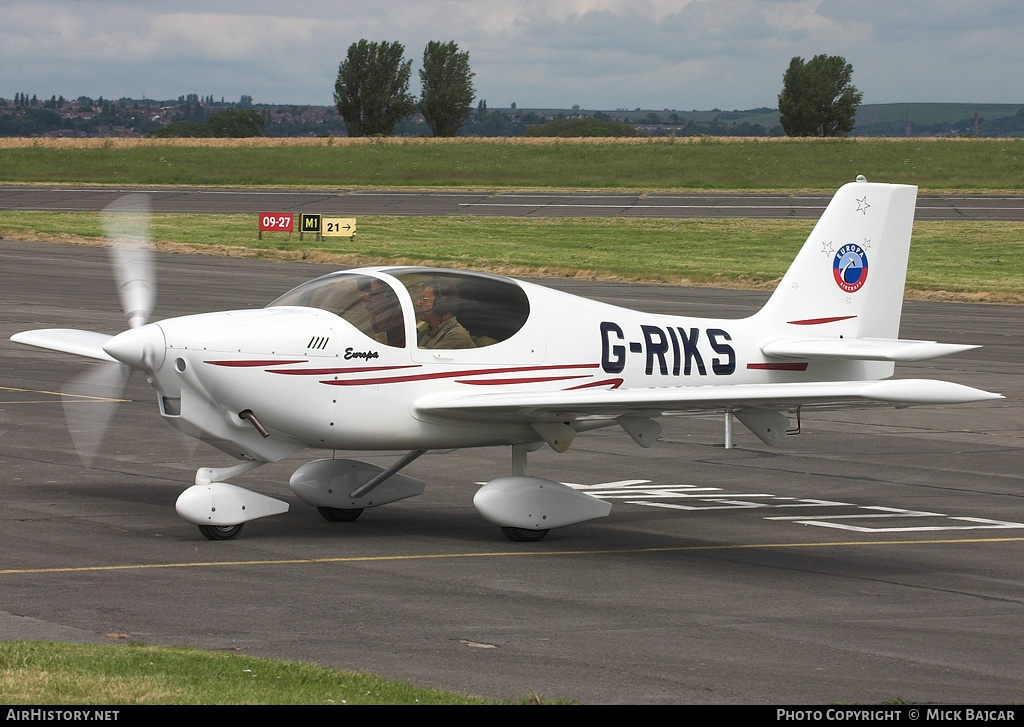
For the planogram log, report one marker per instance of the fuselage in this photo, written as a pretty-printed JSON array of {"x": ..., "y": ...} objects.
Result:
[{"x": 329, "y": 366}]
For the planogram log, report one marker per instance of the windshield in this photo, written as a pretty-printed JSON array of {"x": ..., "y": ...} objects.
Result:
[
  {"x": 368, "y": 303},
  {"x": 486, "y": 309}
]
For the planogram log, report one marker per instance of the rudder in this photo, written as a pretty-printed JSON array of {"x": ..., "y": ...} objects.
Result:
[{"x": 848, "y": 278}]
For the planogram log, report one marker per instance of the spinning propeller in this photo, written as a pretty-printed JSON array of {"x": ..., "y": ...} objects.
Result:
[{"x": 126, "y": 223}]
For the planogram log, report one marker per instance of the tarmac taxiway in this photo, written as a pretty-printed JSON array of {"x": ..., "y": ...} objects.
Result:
[{"x": 876, "y": 556}]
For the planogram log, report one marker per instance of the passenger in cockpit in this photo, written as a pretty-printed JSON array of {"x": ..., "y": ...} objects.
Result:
[
  {"x": 385, "y": 312},
  {"x": 435, "y": 308}
]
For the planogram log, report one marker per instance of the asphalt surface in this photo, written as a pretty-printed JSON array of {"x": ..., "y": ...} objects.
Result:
[
  {"x": 343, "y": 202},
  {"x": 876, "y": 556}
]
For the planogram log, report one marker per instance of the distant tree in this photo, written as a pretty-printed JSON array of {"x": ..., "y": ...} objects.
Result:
[
  {"x": 495, "y": 123},
  {"x": 372, "y": 90},
  {"x": 235, "y": 123},
  {"x": 180, "y": 129},
  {"x": 229, "y": 123},
  {"x": 447, "y": 99},
  {"x": 817, "y": 97},
  {"x": 584, "y": 127}
]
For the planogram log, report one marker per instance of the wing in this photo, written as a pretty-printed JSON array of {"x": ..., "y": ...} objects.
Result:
[
  {"x": 558, "y": 415},
  {"x": 555, "y": 405}
]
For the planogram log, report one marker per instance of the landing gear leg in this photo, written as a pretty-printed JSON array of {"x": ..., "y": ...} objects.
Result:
[
  {"x": 519, "y": 459},
  {"x": 521, "y": 535}
]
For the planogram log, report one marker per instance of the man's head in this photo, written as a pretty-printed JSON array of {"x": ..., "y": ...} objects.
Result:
[
  {"x": 436, "y": 298},
  {"x": 376, "y": 295}
]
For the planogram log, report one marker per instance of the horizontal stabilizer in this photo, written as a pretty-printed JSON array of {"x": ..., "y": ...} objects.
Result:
[
  {"x": 67, "y": 340},
  {"x": 860, "y": 349}
]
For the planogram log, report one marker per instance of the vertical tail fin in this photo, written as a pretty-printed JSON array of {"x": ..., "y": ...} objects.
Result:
[{"x": 847, "y": 280}]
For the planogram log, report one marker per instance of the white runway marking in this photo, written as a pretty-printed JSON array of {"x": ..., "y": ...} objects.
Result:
[{"x": 862, "y": 518}]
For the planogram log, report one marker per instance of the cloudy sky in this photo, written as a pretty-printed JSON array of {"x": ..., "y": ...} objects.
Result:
[{"x": 600, "y": 54}]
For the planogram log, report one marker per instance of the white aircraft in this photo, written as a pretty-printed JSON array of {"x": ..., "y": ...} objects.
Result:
[{"x": 349, "y": 361}]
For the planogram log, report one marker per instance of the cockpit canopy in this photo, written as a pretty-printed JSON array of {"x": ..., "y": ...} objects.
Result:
[{"x": 490, "y": 308}]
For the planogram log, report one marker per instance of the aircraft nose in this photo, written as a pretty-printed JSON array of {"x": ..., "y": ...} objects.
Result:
[{"x": 141, "y": 348}]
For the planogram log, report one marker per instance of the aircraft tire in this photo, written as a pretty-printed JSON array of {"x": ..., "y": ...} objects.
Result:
[
  {"x": 524, "y": 535},
  {"x": 215, "y": 532},
  {"x": 339, "y": 515}
]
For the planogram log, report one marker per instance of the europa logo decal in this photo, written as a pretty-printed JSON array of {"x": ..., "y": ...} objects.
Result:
[{"x": 850, "y": 267}]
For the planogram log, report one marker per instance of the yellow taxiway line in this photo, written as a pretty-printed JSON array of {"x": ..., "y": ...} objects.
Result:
[
  {"x": 439, "y": 556},
  {"x": 83, "y": 397}
]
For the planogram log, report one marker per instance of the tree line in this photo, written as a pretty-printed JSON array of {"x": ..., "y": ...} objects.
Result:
[
  {"x": 372, "y": 98},
  {"x": 372, "y": 94}
]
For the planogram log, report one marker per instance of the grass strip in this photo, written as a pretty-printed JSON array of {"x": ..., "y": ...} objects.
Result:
[
  {"x": 34, "y": 673},
  {"x": 665, "y": 163},
  {"x": 952, "y": 260}
]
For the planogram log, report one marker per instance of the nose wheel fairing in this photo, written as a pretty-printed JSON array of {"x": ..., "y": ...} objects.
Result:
[{"x": 220, "y": 504}]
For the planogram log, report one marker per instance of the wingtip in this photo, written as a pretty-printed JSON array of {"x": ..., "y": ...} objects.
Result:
[{"x": 927, "y": 391}]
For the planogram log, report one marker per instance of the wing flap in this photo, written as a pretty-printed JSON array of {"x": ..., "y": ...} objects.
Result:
[
  {"x": 541, "y": 406},
  {"x": 860, "y": 349},
  {"x": 67, "y": 340}
]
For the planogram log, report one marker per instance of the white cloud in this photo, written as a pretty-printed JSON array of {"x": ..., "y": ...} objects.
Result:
[{"x": 597, "y": 53}]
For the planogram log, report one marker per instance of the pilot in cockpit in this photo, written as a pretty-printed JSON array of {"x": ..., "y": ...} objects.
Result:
[{"x": 435, "y": 308}]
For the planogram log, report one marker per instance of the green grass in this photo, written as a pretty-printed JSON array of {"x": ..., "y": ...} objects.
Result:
[
  {"x": 981, "y": 261},
  {"x": 33, "y": 673},
  {"x": 656, "y": 164}
]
